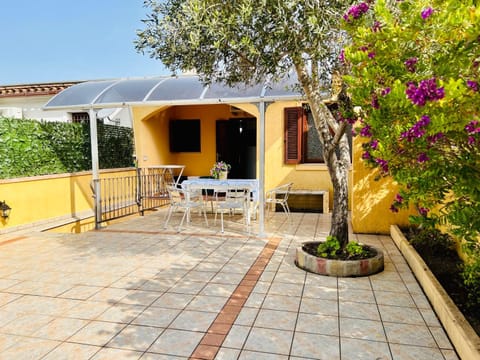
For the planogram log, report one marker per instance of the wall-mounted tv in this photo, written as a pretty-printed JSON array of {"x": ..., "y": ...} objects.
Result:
[{"x": 185, "y": 135}]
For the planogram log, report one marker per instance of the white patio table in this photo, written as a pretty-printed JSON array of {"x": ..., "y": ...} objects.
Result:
[{"x": 222, "y": 185}]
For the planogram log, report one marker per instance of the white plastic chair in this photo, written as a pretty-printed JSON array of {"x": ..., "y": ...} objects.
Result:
[
  {"x": 230, "y": 200},
  {"x": 185, "y": 200},
  {"x": 279, "y": 196}
]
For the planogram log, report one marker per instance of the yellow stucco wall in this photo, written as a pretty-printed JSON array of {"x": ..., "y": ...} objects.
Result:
[
  {"x": 40, "y": 198},
  {"x": 151, "y": 127},
  {"x": 303, "y": 176},
  {"x": 371, "y": 199}
]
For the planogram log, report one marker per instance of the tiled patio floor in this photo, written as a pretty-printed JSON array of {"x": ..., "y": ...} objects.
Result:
[{"x": 136, "y": 291}]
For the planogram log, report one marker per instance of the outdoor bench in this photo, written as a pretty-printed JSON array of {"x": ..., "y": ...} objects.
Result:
[{"x": 307, "y": 193}]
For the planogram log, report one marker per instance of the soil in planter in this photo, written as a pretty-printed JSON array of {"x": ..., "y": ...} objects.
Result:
[
  {"x": 446, "y": 266},
  {"x": 311, "y": 248}
]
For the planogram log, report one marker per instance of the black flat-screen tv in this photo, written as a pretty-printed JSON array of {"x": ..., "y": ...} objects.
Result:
[{"x": 185, "y": 135}]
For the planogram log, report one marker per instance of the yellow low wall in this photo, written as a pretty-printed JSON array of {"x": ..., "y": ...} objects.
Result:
[{"x": 42, "y": 198}]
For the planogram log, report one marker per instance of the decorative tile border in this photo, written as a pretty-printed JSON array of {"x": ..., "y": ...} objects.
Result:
[{"x": 217, "y": 332}]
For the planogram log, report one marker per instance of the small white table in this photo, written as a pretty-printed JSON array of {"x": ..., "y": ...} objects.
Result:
[{"x": 167, "y": 172}]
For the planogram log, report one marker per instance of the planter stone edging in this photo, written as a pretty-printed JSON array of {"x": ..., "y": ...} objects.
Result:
[
  {"x": 464, "y": 338},
  {"x": 341, "y": 268}
]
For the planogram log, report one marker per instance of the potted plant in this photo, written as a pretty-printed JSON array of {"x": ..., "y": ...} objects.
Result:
[{"x": 220, "y": 170}]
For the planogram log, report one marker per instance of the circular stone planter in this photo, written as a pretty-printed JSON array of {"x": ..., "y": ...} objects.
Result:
[{"x": 341, "y": 268}]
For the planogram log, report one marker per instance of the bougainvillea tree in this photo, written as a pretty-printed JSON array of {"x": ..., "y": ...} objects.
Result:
[{"x": 415, "y": 74}]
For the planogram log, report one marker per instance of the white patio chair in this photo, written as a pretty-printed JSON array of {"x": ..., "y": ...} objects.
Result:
[
  {"x": 279, "y": 196},
  {"x": 185, "y": 200},
  {"x": 230, "y": 200}
]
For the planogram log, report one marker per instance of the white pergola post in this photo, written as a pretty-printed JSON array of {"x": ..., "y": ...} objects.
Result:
[
  {"x": 95, "y": 167},
  {"x": 261, "y": 176}
]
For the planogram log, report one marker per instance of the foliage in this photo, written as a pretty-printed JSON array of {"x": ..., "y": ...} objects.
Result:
[
  {"x": 471, "y": 279},
  {"x": 329, "y": 247},
  {"x": 354, "y": 249},
  {"x": 250, "y": 42},
  {"x": 332, "y": 249},
  {"x": 461, "y": 280},
  {"x": 70, "y": 143},
  {"x": 415, "y": 73},
  {"x": 30, "y": 147},
  {"x": 430, "y": 241},
  {"x": 24, "y": 151}
]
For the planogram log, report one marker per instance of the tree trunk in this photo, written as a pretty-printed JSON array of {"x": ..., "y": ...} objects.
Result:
[
  {"x": 336, "y": 151},
  {"x": 338, "y": 170}
]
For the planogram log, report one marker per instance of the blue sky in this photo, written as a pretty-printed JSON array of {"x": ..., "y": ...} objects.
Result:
[{"x": 66, "y": 40}]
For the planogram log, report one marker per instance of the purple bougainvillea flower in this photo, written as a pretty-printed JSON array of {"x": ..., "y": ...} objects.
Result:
[
  {"x": 399, "y": 198},
  {"x": 371, "y": 54},
  {"x": 386, "y": 91},
  {"x": 426, "y": 13},
  {"x": 432, "y": 139},
  {"x": 411, "y": 63},
  {"x": 374, "y": 102},
  {"x": 473, "y": 85},
  {"x": 472, "y": 127},
  {"x": 422, "y": 158},
  {"x": 365, "y": 131},
  {"x": 366, "y": 155},
  {"x": 427, "y": 90},
  {"x": 417, "y": 130},
  {"x": 377, "y": 26},
  {"x": 341, "y": 56},
  {"x": 423, "y": 211},
  {"x": 355, "y": 12},
  {"x": 383, "y": 164},
  {"x": 393, "y": 208},
  {"x": 374, "y": 144}
]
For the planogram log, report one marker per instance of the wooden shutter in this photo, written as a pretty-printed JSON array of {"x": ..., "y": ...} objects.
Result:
[{"x": 293, "y": 135}]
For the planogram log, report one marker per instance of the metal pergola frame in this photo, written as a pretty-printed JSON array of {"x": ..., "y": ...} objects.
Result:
[{"x": 100, "y": 97}]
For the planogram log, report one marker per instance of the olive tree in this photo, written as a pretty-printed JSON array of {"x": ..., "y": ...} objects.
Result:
[{"x": 249, "y": 41}]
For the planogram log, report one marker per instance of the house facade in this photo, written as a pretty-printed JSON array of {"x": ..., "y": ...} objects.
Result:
[{"x": 263, "y": 132}]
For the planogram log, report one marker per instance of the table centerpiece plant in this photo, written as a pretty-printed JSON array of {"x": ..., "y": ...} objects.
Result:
[{"x": 220, "y": 170}]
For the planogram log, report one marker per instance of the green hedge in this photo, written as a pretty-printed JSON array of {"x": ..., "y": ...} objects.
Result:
[{"x": 30, "y": 147}]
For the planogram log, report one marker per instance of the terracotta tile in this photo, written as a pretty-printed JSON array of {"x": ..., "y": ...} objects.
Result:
[
  {"x": 251, "y": 277},
  {"x": 248, "y": 282},
  {"x": 213, "y": 339},
  {"x": 226, "y": 318},
  {"x": 231, "y": 309},
  {"x": 236, "y": 301},
  {"x": 205, "y": 352},
  {"x": 261, "y": 262},
  {"x": 219, "y": 328},
  {"x": 267, "y": 253},
  {"x": 244, "y": 289},
  {"x": 271, "y": 245},
  {"x": 254, "y": 271},
  {"x": 238, "y": 295}
]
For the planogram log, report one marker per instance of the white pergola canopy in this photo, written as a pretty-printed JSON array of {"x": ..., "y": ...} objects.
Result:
[
  {"x": 180, "y": 90},
  {"x": 163, "y": 91}
]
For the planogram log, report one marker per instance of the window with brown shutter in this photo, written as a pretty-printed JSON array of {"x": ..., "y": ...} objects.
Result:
[
  {"x": 293, "y": 135},
  {"x": 302, "y": 142}
]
